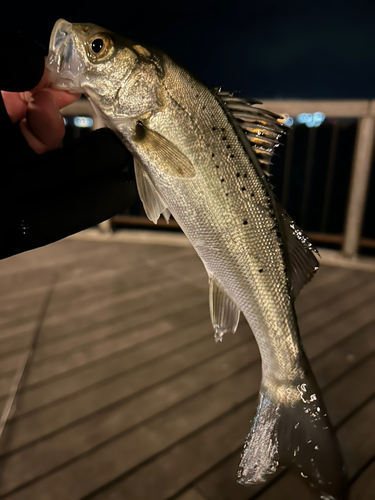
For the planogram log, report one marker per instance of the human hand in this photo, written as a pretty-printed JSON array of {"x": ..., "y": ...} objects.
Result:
[
  {"x": 46, "y": 197},
  {"x": 38, "y": 114}
]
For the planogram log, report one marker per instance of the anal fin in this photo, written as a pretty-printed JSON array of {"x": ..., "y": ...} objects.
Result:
[{"x": 224, "y": 312}]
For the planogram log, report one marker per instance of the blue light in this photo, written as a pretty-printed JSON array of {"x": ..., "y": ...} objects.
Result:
[
  {"x": 288, "y": 121},
  {"x": 285, "y": 119},
  {"x": 311, "y": 119},
  {"x": 83, "y": 121}
]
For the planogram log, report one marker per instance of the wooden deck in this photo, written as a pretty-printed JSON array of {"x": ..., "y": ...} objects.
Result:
[{"x": 128, "y": 397}]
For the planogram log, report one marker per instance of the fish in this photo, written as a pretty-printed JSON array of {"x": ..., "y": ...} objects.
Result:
[{"x": 203, "y": 156}]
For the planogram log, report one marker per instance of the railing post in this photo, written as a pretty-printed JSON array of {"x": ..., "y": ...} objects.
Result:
[{"x": 358, "y": 185}]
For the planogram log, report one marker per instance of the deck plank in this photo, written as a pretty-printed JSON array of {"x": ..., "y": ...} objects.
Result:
[
  {"x": 330, "y": 287},
  {"x": 117, "y": 364},
  {"x": 75, "y": 297},
  {"x": 128, "y": 393},
  {"x": 192, "y": 494},
  {"x": 115, "y": 390},
  {"x": 131, "y": 449},
  {"x": 364, "y": 487},
  {"x": 357, "y": 440}
]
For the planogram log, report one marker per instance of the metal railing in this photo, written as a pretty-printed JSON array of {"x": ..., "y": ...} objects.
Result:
[
  {"x": 364, "y": 112},
  {"x": 361, "y": 118}
]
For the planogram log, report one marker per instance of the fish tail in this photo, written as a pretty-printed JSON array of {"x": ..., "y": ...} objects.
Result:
[{"x": 294, "y": 431}]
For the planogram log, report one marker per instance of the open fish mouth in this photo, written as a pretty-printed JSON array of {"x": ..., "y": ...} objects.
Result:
[{"x": 63, "y": 60}]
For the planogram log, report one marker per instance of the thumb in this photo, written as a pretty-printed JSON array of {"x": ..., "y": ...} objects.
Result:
[{"x": 43, "y": 127}]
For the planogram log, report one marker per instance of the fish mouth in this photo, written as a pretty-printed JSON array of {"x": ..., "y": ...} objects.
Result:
[{"x": 63, "y": 60}]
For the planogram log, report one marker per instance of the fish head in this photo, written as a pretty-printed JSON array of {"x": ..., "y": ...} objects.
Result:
[{"x": 121, "y": 78}]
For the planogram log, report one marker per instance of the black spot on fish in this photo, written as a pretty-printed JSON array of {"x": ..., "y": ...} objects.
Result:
[
  {"x": 213, "y": 129},
  {"x": 203, "y": 107},
  {"x": 217, "y": 166},
  {"x": 222, "y": 129},
  {"x": 245, "y": 175},
  {"x": 223, "y": 138},
  {"x": 222, "y": 180},
  {"x": 213, "y": 154},
  {"x": 252, "y": 194},
  {"x": 238, "y": 174},
  {"x": 232, "y": 155},
  {"x": 243, "y": 188},
  {"x": 226, "y": 194},
  {"x": 228, "y": 146},
  {"x": 260, "y": 270},
  {"x": 245, "y": 222}
]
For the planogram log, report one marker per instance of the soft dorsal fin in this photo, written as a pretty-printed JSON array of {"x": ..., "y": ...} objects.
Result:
[
  {"x": 262, "y": 128},
  {"x": 302, "y": 263},
  {"x": 224, "y": 312},
  {"x": 152, "y": 201}
]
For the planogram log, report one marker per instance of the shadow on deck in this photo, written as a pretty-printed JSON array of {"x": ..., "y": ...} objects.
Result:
[{"x": 128, "y": 397}]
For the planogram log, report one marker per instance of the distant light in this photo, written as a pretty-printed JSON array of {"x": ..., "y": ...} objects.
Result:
[
  {"x": 288, "y": 121},
  {"x": 83, "y": 121},
  {"x": 65, "y": 121},
  {"x": 311, "y": 119}
]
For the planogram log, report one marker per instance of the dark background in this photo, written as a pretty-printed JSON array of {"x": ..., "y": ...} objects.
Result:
[{"x": 264, "y": 48}]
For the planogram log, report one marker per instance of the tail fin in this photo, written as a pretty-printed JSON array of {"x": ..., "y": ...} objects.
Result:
[{"x": 294, "y": 431}]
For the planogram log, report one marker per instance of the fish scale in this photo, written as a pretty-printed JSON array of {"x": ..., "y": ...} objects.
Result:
[{"x": 203, "y": 156}]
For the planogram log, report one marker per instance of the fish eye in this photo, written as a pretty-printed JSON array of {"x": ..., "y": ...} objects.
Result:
[{"x": 99, "y": 47}]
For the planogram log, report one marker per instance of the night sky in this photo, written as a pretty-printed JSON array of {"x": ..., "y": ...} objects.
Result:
[{"x": 265, "y": 49}]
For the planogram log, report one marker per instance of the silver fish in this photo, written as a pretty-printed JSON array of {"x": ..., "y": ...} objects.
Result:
[{"x": 202, "y": 156}]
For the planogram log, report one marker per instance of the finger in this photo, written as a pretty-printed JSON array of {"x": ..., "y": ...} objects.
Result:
[
  {"x": 16, "y": 102},
  {"x": 43, "y": 128},
  {"x": 62, "y": 97},
  {"x": 15, "y": 105}
]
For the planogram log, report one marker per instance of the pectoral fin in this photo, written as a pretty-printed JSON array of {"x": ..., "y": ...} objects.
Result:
[
  {"x": 163, "y": 153},
  {"x": 152, "y": 201},
  {"x": 224, "y": 312}
]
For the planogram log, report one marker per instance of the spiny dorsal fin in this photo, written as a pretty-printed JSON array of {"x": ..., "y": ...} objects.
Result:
[
  {"x": 262, "y": 128},
  {"x": 302, "y": 263}
]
